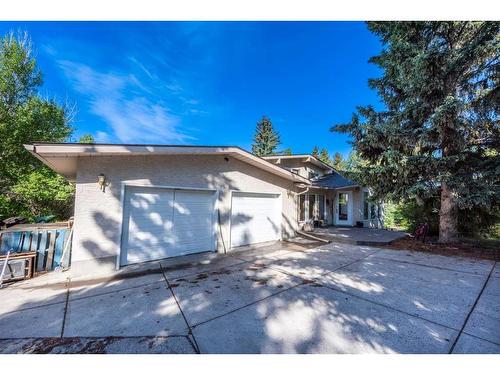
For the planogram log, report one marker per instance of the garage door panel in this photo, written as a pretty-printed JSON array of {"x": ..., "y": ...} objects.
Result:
[
  {"x": 148, "y": 221},
  {"x": 184, "y": 235},
  {"x": 255, "y": 218},
  {"x": 193, "y": 222},
  {"x": 162, "y": 223},
  {"x": 196, "y": 220}
]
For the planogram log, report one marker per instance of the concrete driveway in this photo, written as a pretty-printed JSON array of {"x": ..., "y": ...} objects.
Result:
[{"x": 334, "y": 298}]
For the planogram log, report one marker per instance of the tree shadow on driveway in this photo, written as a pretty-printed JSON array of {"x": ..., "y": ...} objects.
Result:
[{"x": 246, "y": 307}]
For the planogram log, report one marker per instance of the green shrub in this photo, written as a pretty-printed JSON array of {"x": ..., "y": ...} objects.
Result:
[
  {"x": 409, "y": 215},
  {"x": 476, "y": 222}
]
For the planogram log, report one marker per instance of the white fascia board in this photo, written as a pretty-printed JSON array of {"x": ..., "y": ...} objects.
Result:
[
  {"x": 307, "y": 158},
  {"x": 47, "y": 151}
]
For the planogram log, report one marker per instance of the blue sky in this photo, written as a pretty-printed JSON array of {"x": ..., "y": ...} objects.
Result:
[{"x": 207, "y": 83}]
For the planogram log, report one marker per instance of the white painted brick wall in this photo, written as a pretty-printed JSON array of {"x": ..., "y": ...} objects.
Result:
[{"x": 98, "y": 214}]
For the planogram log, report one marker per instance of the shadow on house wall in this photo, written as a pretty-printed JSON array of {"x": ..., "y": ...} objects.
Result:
[{"x": 219, "y": 175}]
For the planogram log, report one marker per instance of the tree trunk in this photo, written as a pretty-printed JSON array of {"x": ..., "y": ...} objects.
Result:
[{"x": 448, "y": 216}]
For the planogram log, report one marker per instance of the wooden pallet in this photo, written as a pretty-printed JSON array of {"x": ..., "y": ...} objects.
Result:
[
  {"x": 47, "y": 244},
  {"x": 9, "y": 258}
]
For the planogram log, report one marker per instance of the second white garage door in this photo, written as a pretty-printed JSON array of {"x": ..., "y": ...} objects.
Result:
[
  {"x": 162, "y": 223},
  {"x": 255, "y": 218}
]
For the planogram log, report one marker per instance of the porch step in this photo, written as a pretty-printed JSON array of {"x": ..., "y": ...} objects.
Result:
[{"x": 314, "y": 237}]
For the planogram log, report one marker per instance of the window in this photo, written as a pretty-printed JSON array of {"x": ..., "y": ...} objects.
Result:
[
  {"x": 321, "y": 199},
  {"x": 366, "y": 210},
  {"x": 373, "y": 211},
  {"x": 312, "y": 205},
  {"x": 302, "y": 207},
  {"x": 343, "y": 200}
]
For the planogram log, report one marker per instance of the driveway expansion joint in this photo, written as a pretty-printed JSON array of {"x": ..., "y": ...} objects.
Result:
[
  {"x": 318, "y": 281},
  {"x": 349, "y": 264},
  {"x": 190, "y": 335},
  {"x": 68, "y": 282},
  {"x": 472, "y": 309},
  {"x": 386, "y": 306},
  {"x": 34, "y": 307},
  {"x": 248, "y": 304},
  {"x": 451, "y": 339},
  {"x": 304, "y": 281},
  {"x": 429, "y": 266},
  {"x": 378, "y": 303}
]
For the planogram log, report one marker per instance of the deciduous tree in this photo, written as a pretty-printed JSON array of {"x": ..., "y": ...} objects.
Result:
[
  {"x": 86, "y": 138},
  {"x": 25, "y": 117}
]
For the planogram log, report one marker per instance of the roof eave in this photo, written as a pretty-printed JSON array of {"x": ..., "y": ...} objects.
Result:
[
  {"x": 50, "y": 151},
  {"x": 309, "y": 158},
  {"x": 335, "y": 187}
]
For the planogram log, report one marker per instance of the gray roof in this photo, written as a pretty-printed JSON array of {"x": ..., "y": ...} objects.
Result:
[{"x": 333, "y": 180}]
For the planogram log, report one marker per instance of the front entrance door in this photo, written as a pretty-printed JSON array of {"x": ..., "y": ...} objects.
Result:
[{"x": 343, "y": 208}]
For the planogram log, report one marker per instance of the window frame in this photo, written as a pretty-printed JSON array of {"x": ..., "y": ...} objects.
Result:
[{"x": 301, "y": 220}]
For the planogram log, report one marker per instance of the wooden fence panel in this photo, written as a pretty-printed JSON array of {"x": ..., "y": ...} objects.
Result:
[
  {"x": 59, "y": 246},
  {"x": 50, "y": 250}
]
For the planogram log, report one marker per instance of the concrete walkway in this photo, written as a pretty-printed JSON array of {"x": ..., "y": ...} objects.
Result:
[
  {"x": 359, "y": 236},
  {"x": 335, "y": 298}
]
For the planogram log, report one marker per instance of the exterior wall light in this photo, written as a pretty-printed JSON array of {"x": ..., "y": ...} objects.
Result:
[{"x": 101, "y": 181}]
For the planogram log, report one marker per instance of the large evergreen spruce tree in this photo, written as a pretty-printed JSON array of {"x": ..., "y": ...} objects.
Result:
[
  {"x": 266, "y": 139},
  {"x": 439, "y": 129},
  {"x": 323, "y": 156},
  {"x": 338, "y": 162},
  {"x": 315, "y": 152}
]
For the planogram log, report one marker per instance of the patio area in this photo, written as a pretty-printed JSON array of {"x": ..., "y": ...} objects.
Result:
[{"x": 359, "y": 236}]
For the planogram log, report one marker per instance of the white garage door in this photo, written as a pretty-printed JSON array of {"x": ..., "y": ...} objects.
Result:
[
  {"x": 162, "y": 223},
  {"x": 255, "y": 218}
]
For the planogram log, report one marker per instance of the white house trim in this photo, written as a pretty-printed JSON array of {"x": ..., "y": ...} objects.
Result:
[{"x": 62, "y": 157}]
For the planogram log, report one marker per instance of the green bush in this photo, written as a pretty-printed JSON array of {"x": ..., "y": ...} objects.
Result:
[
  {"x": 480, "y": 222},
  {"x": 476, "y": 222},
  {"x": 409, "y": 215},
  {"x": 43, "y": 192}
]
